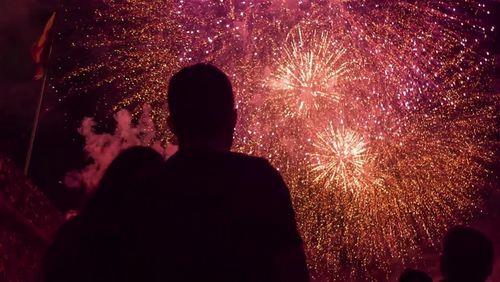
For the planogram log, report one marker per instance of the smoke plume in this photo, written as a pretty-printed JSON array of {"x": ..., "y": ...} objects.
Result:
[{"x": 103, "y": 148}]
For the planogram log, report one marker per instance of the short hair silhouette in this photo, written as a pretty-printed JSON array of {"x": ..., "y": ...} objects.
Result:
[
  {"x": 124, "y": 175},
  {"x": 467, "y": 255},
  {"x": 201, "y": 102},
  {"x": 413, "y": 275}
]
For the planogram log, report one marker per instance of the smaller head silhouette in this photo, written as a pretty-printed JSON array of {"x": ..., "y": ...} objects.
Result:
[
  {"x": 413, "y": 275},
  {"x": 201, "y": 106},
  {"x": 467, "y": 255},
  {"x": 125, "y": 175}
]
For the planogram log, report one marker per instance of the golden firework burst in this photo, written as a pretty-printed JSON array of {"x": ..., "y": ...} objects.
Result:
[
  {"x": 341, "y": 159},
  {"x": 307, "y": 73}
]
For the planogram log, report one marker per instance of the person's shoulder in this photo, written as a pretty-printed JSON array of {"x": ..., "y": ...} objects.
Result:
[
  {"x": 228, "y": 160},
  {"x": 260, "y": 167},
  {"x": 243, "y": 157},
  {"x": 249, "y": 160}
]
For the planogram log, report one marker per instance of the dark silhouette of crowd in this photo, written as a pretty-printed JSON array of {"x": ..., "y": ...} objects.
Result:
[{"x": 206, "y": 213}]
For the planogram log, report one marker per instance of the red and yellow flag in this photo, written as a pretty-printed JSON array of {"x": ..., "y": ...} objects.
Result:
[{"x": 39, "y": 47}]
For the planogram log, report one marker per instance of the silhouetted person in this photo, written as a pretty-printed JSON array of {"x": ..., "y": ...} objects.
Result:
[
  {"x": 467, "y": 256},
  {"x": 103, "y": 242},
  {"x": 226, "y": 216},
  {"x": 413, "y": 275}
]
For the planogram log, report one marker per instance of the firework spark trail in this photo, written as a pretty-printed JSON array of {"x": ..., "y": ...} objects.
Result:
[
  {"x": 374, "y": 111},
  {"x": 341, "y": 160},
  {"x": 415, "y": 180},
  {"x": 307, "y": 74}
]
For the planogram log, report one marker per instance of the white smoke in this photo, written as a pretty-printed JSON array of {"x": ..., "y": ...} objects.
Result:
[{"x": 103, "y": 148}]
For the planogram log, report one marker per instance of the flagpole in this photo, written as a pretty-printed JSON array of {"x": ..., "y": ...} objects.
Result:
[{"x": 34, "y": 129}]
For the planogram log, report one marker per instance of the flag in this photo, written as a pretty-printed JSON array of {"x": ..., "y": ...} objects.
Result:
[{"x": 37, "y": 51}]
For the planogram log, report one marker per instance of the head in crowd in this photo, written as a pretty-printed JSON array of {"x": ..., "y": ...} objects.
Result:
[
  {"x": 201, "y": 107},
  {"x": 126, "y": 174},
  {"x": 413, "y": 275},
  {"x": 467, "y": 255}
]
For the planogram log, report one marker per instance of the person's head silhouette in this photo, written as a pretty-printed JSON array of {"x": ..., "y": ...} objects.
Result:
[
  {"x": 201, "y": 105},
  {"x": 123, "y": 180},
  {"x": 467, "y": 255},
  {"x": 413, "y": 275}
]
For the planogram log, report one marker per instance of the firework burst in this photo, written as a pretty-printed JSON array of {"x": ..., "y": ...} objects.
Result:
[
  {"x": 374, "y": 111},
  {"x": 307, "y": 74},
  {"x": 341, "y": 160}
]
